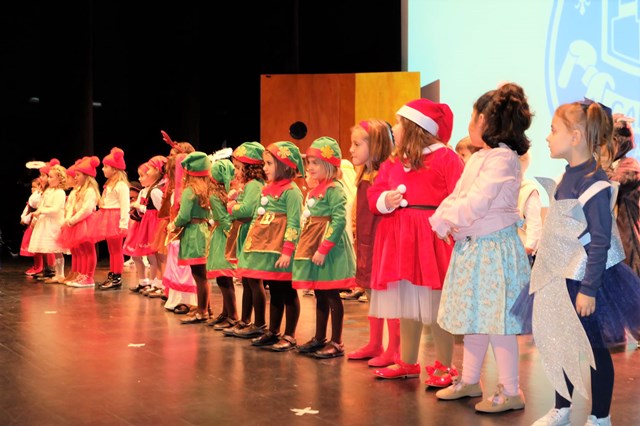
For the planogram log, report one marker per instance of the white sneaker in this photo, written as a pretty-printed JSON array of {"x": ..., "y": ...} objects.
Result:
[
  {"x": 594, "y": 421},
  {"x": 555, "y": 417}
]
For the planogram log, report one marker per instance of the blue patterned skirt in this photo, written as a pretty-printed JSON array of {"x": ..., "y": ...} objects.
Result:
[{"x": 485, "y": 276}]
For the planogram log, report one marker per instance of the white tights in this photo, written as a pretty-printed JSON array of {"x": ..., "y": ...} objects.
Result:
[{"x": 505, "y": 350}]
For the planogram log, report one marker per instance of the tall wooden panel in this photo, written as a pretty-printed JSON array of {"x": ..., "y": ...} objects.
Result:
[{"x": 329, "y": 104}]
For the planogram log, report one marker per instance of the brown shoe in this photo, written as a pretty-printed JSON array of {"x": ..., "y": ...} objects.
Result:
[
  {"x": 500, "y": 402},
  {"x": 286, "y": 343},
  {"x": 331, "y": 350}
]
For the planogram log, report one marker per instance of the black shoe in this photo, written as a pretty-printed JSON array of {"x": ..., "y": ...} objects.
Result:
[
  {"x": 267, "y": 339},
  {"x": 45, "y": 274},
  {"x": 139, "y": 288},
  {"x": 105, "y": 282},
  {"x": 312, "y": 346},
  {"x": 113, "y": 284}
]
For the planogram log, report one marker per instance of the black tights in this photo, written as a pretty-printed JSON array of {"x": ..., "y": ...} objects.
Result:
[
  {"x": 329, "y": 302},
  {"x": 254, "y": 298},
  {"x": 283, "y": 299},
  {"x": 203, "y": 291},
  {"x": 228, "y": 291},
  {"x": 601, "y": 385}
]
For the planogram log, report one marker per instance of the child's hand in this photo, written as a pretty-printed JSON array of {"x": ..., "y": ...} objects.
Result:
[
  {"x": 318, "y": 258},
  {"x": 283, "y": 261},
  {"x": 230, "y": 205},
  {"x": 233, "y": 194},
  {"x": 392, "y": 199},
  {"x": 585, "y": 305}
]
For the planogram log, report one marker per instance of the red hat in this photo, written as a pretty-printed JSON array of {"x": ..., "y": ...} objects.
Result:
[
  {"x": 435, "y": 118},
  {"x": 115, "y": 159},
  {"x": 88, "y": 165},
  {"x": 45, "y": 169},
  {"x": 157, "y": 162}
]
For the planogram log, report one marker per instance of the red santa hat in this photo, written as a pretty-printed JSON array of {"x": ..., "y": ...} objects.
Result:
[
  {"x": 88, "y": 165},
  {"x": 115, "y": 159},
  {"x": 45, "y": 170},
  {"x": 435, "y": 118}
]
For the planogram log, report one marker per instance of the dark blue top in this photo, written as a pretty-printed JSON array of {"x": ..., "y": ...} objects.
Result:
[{"x": 597, "y": 211}]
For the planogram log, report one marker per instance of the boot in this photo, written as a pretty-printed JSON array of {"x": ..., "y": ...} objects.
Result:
[
  {"x": 393, "y": 347},
  {"x": 107, "y": 281},
  {"x": 374, "y": 347},
  {"x": 114, "y": 283}
]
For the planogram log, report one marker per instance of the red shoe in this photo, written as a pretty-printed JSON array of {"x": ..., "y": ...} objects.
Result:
[
  {"x": 381, "y": 361},
  {"x": 32, "y": 271},
  {"x": 442, "y": 380},
  {"x": 365, "y": 353},
  {"x": 403, "y": 371}
]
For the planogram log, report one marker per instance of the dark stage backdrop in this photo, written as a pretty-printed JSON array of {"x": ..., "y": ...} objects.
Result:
[{"x": 79, "y": 80}]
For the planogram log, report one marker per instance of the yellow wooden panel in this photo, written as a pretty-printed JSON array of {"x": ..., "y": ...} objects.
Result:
[{"x": 379, "y": 95}]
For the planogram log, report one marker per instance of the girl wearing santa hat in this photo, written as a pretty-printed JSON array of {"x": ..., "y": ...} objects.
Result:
[
  {"x": 112, "y": 220},
  {"x": 410, "y": 260},
  {"x": 77, "y": 224},
  {"x": 371, "y": 144},
  {"x": 489, "y": 266}
]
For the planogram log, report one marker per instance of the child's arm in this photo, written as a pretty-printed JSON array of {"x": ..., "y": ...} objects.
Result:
[
  {"x": 186, "y": 204},
  {"x": 462, "y": 211},
  {"x": 337, "y": 200},
  {"x": 245, "y": 207},
  {"x": 55, "y": 203},
  {"x": 532, "y": 221},
  {"x": 89, "y": 201},
  {"x": 292, "y": 233},
  {"x": 122, "y": 192},
  {"x": 381, "y": 197},
  {"x": 599, "y": 221}
]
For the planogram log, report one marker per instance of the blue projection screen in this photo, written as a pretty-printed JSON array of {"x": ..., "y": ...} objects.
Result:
[{"x": 558, "y": 51}]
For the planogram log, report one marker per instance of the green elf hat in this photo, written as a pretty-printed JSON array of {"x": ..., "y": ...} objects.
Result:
[
  {"x": 326, "y": 149},
  {"x": 222, "y": 171},
  {"x": 249, "y": 153},
  {"x": 287, "y": 153},
  {"x": 197, "y": 163}
]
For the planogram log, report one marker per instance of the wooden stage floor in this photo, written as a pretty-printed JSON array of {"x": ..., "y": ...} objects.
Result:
[{"x": 87, "y": 357}]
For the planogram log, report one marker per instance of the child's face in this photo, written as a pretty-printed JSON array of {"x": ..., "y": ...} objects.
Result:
[
  {"x": 315, "y": 169},
  {"x": 153, "y": 174},
  {"x": 476, "y": 127},
  {"x": 54, "y": 180},
  {"x": 44, "y": 178},
  {"x": 72, "y": 181},
  {"x": 80, "y": 178},
  {"x": 464, "y": 153},
  {"x": 269, "y": 166},
  {"x": 561, "y": 139},
  {"x": 133, "y": 195},
  {"x": 398, "y": 132},
  {"x": 237, "y": 165},
  {"x": 108, "y": 171},
  {"x": 143, "y": 178},
  {"x": 359, "y": 149}
]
